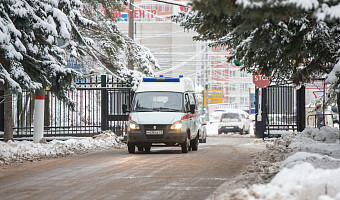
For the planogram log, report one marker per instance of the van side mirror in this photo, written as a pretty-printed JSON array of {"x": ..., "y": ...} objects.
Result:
[
  {"x": 192, "y": 108},
  {"x": 124, "y": 108}
]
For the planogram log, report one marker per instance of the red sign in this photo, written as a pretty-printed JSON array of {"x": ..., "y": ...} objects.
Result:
[
  {"x": 261, "y": 80},
  {"x": 184, "y": 9}
]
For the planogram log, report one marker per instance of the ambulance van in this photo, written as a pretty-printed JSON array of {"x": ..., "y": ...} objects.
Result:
[{"x": 163, "y": 113}]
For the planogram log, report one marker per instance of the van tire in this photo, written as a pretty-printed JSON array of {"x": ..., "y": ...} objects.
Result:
[
  {"x": 185, "y": 146},
  {"x": 147, "y": 148},
  {"x": 194, "y": 144},
  {"x": 140, "y": 148},
  {"x": 131, "y": 148}
]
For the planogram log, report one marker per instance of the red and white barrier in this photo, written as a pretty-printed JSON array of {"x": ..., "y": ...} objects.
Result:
[{"x": 39, "y": 116}]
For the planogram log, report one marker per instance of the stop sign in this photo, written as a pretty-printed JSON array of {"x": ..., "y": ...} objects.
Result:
[{"x": 261, "y": 80}]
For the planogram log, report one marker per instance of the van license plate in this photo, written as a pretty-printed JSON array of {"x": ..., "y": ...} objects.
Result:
[{"x": 160, "y": 132}]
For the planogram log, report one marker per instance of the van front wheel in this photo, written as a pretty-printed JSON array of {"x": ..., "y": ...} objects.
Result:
[
  {"x": 185, "y": 146},
  {"x": 131, "y": 148},
  {"x": 194, "y": 143}
]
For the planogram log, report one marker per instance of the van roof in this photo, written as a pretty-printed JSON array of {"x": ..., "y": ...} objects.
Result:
[{"x": 183, "y": 85}]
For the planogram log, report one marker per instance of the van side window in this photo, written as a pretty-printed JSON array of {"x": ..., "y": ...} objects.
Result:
[
  {"x": 192, "y": 98},
  {"x": 187, "y": 102}
]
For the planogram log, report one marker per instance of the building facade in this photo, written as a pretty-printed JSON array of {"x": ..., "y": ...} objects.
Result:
[{"x": 178, "y": 54}]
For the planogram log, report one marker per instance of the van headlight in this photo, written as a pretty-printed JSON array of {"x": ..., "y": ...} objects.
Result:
[
  {"x": 177, "y": 125},
  {"x": 133, "y": 125}
]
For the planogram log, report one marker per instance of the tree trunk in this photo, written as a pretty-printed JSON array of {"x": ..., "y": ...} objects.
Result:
[
  {"x": 8, "y": 129},
  {"x": 338, "y": 102}
]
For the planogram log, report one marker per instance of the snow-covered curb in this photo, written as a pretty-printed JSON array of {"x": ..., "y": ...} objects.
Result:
[
  {"x": 19, "y": 151},
  {"x": 296, "y": 166}
]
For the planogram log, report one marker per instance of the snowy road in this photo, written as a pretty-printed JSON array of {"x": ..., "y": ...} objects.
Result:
[{"x": 165, "y": 173}]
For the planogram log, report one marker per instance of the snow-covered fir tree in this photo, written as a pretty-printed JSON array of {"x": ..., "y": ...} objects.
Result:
[
  {"x": 104, "y": 46},
  {"x": 286, "y": 39},
  {"x": 37, "y": 35}
]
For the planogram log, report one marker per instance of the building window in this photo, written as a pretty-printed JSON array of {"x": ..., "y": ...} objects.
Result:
[
  {"x": 222, "y": 74},
  {"x": 231, "y": 87},
  {"x": 168, "y": 7},
  {"x": 215, "y": 74},
  {"x": 244, "y": 74},
  {"x": 145, "y": 7},
  {"x": 232, "y": 99},
  {"x": 162, "y": 8},
  {"x": 244, "y": 101},
  {"x": 244, "y": 86},
  {"x": 232, "y": 73}
]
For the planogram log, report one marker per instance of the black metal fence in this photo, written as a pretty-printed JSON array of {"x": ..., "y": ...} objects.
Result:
[
  {"x": 97, "y": 107},
  {"x": 281, "y": 110}
]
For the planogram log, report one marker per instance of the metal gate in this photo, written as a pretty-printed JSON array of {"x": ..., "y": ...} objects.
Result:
[
  {"x": 114, "y": 95},
  {"x": 283, "y": 109},
  {"x": 97, "y": 107}
]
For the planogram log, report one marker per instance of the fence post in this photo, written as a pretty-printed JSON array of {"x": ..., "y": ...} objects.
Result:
[
  {"x": 264, "y": 111},
  {"x": 2, "y": 110},
  {"x": 104, "y": 104},
  {"x": 301, "y": 109}
]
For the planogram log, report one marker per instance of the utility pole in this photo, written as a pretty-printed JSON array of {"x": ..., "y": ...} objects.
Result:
[
  {"x": 207, "y": 79},
  {"x": 131, "y": 27}
]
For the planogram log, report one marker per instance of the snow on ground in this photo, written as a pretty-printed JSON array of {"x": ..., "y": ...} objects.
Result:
[
  {"x": 296, "y": 166},
  {"x": 20, "y": 151}
]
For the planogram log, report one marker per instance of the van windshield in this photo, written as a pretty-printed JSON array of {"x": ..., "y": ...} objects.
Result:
[{"x": 157, "y": 102}]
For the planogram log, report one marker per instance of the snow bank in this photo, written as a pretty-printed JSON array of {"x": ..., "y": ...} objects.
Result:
[
  {"x": 19, "y": 151},
  {"x": 303, "y": 181},
  {"x": 296, "y": 166}
]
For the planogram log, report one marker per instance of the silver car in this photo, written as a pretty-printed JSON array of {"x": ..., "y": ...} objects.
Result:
[{"x": 233, "y": 121}]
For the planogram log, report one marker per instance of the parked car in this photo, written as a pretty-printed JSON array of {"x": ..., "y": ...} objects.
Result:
[
  {"x": 234, "y": 121},
  {"x": 203, "y": 131},
  {"x": 215, "y": 116}
]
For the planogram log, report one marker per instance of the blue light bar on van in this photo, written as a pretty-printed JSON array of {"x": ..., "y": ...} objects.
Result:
[{"x": 161, "y": 79}]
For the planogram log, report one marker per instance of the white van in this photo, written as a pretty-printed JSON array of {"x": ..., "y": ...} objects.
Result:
[{"x": 163, "y": 113}]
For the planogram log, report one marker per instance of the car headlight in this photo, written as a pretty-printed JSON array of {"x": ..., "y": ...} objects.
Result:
[
  {"x": 133, "y": 125},
  {"x": 177, "y": 125}
]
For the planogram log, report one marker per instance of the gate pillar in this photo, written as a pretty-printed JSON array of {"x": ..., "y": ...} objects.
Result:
[
  {"x": 301, "y": 109},
  {"x": 261, "y": 111},
  {"x": 2, "y": 110},
  {"x": 104, "y": 104}
]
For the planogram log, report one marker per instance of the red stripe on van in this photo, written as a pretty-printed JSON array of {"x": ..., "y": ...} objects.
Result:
[{"x": 190, "y": 115}]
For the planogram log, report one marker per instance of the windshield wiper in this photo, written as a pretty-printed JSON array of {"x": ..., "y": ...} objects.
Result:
[
  {"x": 143, "y": 109},
  {"x": 165, "y": 109}
]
